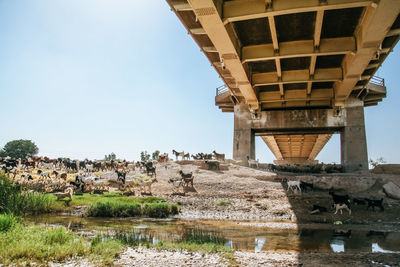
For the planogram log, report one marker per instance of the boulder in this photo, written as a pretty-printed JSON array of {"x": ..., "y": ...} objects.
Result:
[{"x": 392, "y": 190}]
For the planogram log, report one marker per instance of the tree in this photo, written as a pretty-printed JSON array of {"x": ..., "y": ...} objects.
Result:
[
  {"x": 155, "y": 154},
  {"x": 110, "y": 157},
  {"x": 20, "y": 149},
  {"x": 144, "y": 156},
  {"x": 376, "y": 162}
]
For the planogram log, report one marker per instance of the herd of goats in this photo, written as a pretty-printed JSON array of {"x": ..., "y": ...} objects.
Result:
[{"x": 43, "y": 174}]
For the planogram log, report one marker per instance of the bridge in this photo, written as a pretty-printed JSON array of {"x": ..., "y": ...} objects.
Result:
[{"x": 296, "y": 72}]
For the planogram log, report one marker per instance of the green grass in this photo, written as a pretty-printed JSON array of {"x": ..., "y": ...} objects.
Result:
[
  {"x": 119, "y": 208},
  {"x": 7, "y": 222},
  {"x": 39, "y": 244},
  {"x": 223, "y": 203},
  {"x": 13, "y": 200},
  {"x": 114, "y": 209}
]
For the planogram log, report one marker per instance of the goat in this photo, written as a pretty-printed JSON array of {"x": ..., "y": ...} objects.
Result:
[
  {"x": 253, "y": 162},
  {"x": 178, "y": 154},
  {"x": 43, "y": 174},
  {"x": 219, "y": 156},
  {"x": 339, "y": 199},
  {"x": 212, "y": 164},
  {"x": 163, "y": 158},
  {"x": 176, "y": 182},
  {"x": 341, "y": 207},
  {"x": 185, "y": 175},
  {"x": 305, "y": 186},
  {"x": 151, "y": 171},
  {"x": 358, "y": 201},
  {"x": 68, "y": 193},
  {"x": 293, "y": 185},
  {"x": 147, "y": 183},
  {"x": 375, "y": 203}
]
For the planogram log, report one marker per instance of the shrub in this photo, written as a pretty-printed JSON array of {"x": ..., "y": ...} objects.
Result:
[
  {"x": 7, "y": 222},
  {"x": 114, "y": 209},
  {"x": 159, "y": 210}
]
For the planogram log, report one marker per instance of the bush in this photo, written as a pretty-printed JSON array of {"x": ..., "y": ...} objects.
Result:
[
  {"x": 159, "y": 210},
  {"x": 114, "y": 209},
  {"x": 7, "y": 222}
]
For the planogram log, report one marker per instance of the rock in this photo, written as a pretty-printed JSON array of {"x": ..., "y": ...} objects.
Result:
[{"x": 392, "y": 190}]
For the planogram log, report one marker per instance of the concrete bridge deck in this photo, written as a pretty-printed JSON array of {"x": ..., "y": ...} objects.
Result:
[{"x": 280, "y": 55}]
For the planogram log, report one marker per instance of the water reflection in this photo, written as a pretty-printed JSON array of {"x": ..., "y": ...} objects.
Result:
[
  {"x": 259, "y": 241},
  {"x": 237, "y": 236}
]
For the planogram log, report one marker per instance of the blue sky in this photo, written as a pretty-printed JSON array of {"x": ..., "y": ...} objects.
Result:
[{"x": 87, "y": 78}]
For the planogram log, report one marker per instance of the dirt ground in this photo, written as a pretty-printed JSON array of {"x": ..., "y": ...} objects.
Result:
[
  {"x": 261, "y": 198},
  {"x": 252, "y": 194},
  {"x": 258, "y": 198}
]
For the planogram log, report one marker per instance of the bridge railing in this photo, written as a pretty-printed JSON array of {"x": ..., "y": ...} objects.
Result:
[
  {"x": 377, "y": 80},
  {"x": 221, "y": 89}
]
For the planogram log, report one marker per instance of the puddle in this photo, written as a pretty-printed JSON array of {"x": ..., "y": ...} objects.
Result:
[{"x": 238, "y": 236}]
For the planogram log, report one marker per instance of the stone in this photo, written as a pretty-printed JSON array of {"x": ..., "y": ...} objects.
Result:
[{"x": 392, "y": 190}]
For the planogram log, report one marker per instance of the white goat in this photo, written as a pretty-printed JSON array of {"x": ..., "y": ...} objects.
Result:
[
  {"x": 253, "y": 162},
  {"x": 293, "y": 185}
]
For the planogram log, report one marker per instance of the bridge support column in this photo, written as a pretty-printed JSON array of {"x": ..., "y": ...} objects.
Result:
[
  {"x": 243, "y": 136},
  {"x": 354, "y": 154}
]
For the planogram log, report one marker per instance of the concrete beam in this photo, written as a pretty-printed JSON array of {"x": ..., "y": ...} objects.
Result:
[
  {"x": 208, "y": 15},
  {"x": 305, "y": 48},
  {"x": 319, "y": 144},
  {"x": 300, "y": 94},
  {"x": 273, "y": 146},
  {"x": 254, "y": 9},
  {"x": 297, "y": 76},
  {"x": 374, "y": 27}
]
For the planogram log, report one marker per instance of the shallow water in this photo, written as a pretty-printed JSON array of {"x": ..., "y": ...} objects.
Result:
[{"x": 239, "y": 237}]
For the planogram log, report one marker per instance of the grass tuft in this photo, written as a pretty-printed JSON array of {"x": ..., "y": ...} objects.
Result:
[
  {"x": 7, "y": 222},
  {"x": 223, "y": 203}
]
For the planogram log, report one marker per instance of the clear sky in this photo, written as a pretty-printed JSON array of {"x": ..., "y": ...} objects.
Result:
[{"x": 84, "y": 78}]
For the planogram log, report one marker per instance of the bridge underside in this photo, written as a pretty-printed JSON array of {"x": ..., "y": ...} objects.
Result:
[{"x": 279, "y": 55}]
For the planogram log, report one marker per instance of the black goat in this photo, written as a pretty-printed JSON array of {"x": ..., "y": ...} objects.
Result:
[
  {"x": 375, "y": 203},
  {"x": 340, "y": 199},
  {"x": 185, "y": 175},
  {"x": 151, "y": 171},
  {"x": 304, "y": 186},
  {"x": 121, "y": 176},
  {"x": 358, "y": 201}
]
